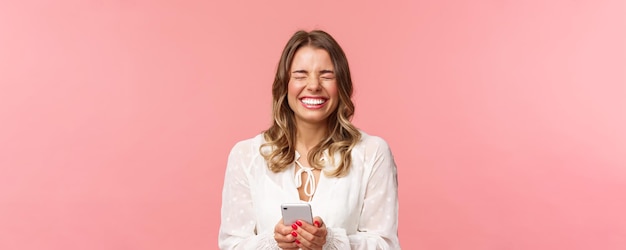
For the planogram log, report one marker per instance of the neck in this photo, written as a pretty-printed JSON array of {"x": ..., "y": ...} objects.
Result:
[{"x": 309, "y": 135}]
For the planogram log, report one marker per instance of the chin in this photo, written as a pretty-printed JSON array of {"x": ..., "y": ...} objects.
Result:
[{"x": 316, "y": 119}]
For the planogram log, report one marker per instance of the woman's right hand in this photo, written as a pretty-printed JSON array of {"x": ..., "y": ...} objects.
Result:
[{"x": 283, "y": 236}]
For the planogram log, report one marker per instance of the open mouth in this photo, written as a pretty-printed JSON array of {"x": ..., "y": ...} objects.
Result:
[{"x": 311, "y": 102}]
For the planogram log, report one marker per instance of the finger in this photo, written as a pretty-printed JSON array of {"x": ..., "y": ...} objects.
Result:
[
  {"x": 303, "y": 243},
  {"x": 283, "y": 229},
  {"x": 284, "y": 238},
  {"x": 286, "y": 241},
  {"x": 310, "y": 239},
  {"x": 318, "y": 222},
  {"x": 314, "y": 230}
]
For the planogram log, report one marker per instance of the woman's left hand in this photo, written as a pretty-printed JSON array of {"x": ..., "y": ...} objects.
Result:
[{"x": 311, "y": 236}]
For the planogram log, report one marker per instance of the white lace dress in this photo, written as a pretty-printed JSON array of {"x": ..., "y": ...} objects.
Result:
[{"x": 360, "y": 210}]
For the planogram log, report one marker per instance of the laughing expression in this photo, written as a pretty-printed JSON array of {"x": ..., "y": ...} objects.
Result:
[{"x": 312, "y": 91}]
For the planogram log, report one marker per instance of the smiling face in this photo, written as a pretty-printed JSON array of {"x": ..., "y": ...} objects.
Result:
[{"x": 312, "y": 88}]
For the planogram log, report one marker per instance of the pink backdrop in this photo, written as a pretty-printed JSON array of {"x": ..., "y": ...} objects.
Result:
[{"x": 507, "y": 118}]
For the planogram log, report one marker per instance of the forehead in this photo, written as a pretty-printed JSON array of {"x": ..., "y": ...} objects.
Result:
[{"x": 312, "y": 57}]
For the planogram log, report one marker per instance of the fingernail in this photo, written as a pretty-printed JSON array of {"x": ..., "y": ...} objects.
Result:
[
  {"x": 294, "y": 226},
  {"x": 298, "y": 242},
  {"x": 299, "y": 223},
  {"x": 294, "y": 234},
  {"x": 317, "y": 223}
]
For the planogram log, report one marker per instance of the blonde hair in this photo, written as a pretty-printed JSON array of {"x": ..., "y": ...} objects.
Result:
[{"x": 342, "y": 135}]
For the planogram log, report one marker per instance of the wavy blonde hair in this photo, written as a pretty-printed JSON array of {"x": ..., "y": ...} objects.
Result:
[{"x": 342, "y": 135}]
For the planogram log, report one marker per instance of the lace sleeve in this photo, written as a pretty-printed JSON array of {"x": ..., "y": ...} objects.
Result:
[{"x": 336, "y": 239}]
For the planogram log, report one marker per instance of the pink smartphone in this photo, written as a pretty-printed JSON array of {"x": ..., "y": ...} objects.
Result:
[{"x": 296, "y": 211}]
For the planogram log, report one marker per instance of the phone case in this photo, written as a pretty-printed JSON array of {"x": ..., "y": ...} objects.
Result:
[{"x": 296, "y": 211}]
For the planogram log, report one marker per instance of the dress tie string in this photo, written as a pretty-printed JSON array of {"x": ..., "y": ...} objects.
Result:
[{"x": 309, "y": 185}]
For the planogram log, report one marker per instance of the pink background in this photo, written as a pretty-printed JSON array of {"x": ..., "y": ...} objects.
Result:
[{"x": 507, "y": 118}]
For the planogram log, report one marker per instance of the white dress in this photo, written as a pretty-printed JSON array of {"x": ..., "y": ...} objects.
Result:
[{"x": 360, "y": 210}]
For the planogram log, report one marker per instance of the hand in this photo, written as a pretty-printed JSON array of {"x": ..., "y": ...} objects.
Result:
[
  {"x": 311, "y": 236},
  {"x": 284, "y": 237}
]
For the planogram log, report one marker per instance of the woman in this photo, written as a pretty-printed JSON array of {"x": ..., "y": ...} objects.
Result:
[{"x": 311, "y": 153}]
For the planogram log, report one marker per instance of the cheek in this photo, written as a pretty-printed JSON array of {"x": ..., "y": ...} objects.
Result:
[
  {"x": 331, "y": 89},
  {"x": 291, "y": 90}
]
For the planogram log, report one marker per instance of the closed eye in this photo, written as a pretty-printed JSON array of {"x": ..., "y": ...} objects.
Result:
[{"x": 327, "y": 74}]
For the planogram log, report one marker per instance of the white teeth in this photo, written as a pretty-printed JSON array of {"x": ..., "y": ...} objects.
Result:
[{"x": 309, "y": 101}]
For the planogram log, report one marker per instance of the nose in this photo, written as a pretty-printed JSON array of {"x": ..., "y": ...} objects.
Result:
[{"x": 313, "y": 84}]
